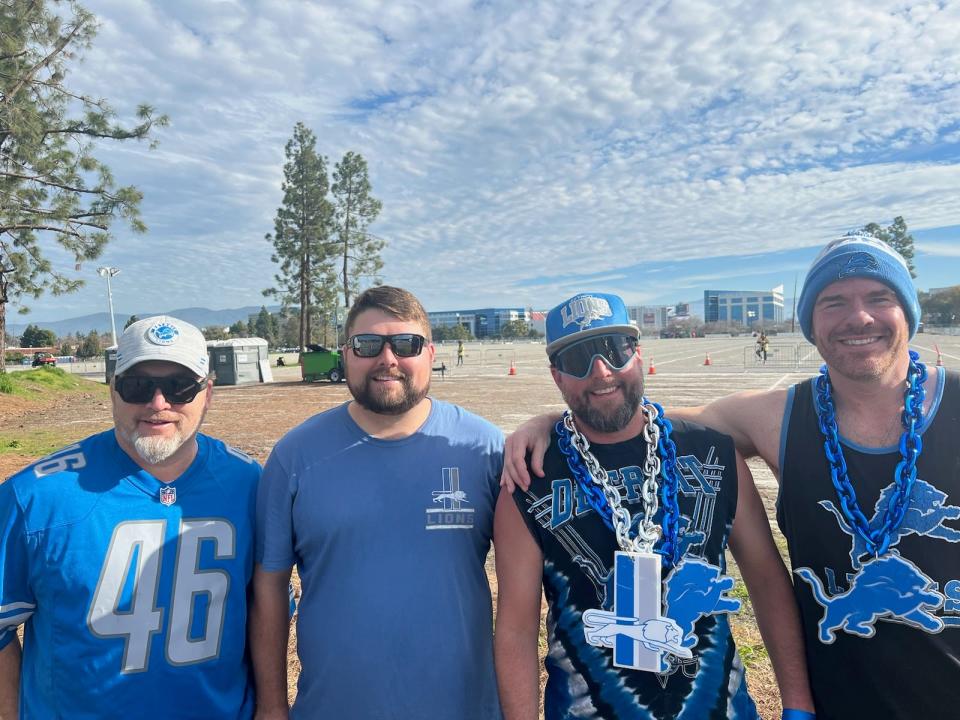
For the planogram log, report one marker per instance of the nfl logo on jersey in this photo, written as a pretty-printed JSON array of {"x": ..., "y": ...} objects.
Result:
[{"x": 168, "y": 495}]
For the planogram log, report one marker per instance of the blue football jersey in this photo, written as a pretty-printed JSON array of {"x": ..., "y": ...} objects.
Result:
[{"x": 133, "y": 592}]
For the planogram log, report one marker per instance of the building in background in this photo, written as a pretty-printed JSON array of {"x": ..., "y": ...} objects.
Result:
[
  {"x": 650, "y": 317},
  {"x": 483, "y": 323},
  {"x": 744, "y": 307},
  {"x": 538, "y": 321}
]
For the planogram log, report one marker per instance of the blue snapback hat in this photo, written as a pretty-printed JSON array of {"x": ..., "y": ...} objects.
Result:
[
  {"x": 584, "y": 315},
  {"x": 864, "y": 256}
]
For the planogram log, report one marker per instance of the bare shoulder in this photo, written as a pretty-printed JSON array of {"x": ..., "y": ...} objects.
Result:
[{"x": 752, "y": 418}]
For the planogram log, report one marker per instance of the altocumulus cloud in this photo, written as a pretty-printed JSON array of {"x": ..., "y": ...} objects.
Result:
[{"x": 521, "y": 148}]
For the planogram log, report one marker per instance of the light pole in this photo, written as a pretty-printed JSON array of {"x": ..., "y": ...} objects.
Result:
[{"x": 109, "y": 272}]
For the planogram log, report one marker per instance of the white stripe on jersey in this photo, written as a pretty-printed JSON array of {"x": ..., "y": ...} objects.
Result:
[
  {"x": 14, "y": 620},
  {"x": 17, "y": 606}
]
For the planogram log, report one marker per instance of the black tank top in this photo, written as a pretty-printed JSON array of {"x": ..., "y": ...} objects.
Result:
[
  {"x": 882, "y": 634},
  {"x": 578, "y": 550}
]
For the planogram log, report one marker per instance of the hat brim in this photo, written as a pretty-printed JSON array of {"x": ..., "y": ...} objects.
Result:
[{"x": 162, "y": 357}]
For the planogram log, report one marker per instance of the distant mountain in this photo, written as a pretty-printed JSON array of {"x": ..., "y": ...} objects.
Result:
[{"x": 201, "y": 317}]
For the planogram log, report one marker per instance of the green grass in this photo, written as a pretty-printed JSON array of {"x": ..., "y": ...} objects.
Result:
[
  {"x": 35, "y": 443},
  {"x": 42, "y": 388},
  {"x": 740, "y": 592},
  {"x": 49, "y": 381},
  {"x": 751, "y": 654}
]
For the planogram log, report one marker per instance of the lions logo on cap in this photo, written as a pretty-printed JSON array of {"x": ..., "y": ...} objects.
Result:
[
  {"x": 860, "y": 263},
  {"x": 163, "y": 333},
  {"x": 584, "y": 310}
]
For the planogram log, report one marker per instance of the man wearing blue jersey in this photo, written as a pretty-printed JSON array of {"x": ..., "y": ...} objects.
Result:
[
  {"x": 127, "y": 555},
  {"x": 385, "y": 505}
]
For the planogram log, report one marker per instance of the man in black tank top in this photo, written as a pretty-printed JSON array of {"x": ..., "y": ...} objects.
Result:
[
  {"x": 869, "y": 468},
  {"x": 627, "y": 535},
  {"x": 870, "y": 495}
]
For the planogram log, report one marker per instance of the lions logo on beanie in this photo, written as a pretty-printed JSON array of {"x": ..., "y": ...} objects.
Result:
[{"x": 858, "y": 255}]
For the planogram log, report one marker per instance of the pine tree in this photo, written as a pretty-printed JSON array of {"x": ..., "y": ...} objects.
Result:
[
  {"x": 356, "y": 208},
  {"x": 54, "y": 189},
  {"x": 90, "y": 345},
  {"x": 262, "y": 326},
  {"x": 301, "y": 232},
  {"x": 897, "y": 237}
]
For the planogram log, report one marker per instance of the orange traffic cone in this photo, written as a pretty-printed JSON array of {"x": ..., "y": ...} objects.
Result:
[
  {"x": 939, "y": 356},
  {"x": 513, "y": 369},
  {"x": 708, "y": 361},
  {"x": 652, "y": 370}
]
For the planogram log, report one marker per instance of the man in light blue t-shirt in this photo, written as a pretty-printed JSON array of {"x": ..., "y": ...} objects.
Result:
[{"x": 385, "y": 505}]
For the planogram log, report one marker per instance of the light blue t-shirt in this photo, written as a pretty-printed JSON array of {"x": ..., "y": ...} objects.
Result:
[
  {"x": 389, "y": 538},
  {"x": 132, "y": 591}
]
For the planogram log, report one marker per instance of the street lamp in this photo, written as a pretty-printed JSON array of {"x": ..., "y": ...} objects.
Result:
[{"x": 109, "y": 272}]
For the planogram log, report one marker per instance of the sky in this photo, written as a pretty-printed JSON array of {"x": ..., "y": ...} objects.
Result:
[{"x": 527, "y": 151}]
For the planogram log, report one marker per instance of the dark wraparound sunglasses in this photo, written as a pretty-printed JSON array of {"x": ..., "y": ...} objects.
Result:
[
  {"x": 577, "y": 359},
  {"x": 404, "y": 345},
  {"x": 177, "y": 389}
]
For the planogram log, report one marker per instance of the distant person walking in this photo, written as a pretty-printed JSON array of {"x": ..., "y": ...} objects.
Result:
[
  {"x": 763, "y": 348},
  {"x": 459, "y": 353}
]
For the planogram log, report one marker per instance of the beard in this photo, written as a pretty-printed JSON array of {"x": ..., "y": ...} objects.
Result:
[
  {"x": 611, "y": 420},
  {"x": 155, "y": 450},
  {"x": 374, "y": 399},
  {"x": 850, "y": 364}
]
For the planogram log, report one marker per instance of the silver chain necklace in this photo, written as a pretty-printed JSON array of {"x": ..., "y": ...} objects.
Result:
[{"x": 648, "y": 532}]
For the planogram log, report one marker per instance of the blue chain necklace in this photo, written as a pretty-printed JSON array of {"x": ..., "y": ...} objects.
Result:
[
  {"x": 877, "y": 539},
  {"x": 666, "y": 450}
]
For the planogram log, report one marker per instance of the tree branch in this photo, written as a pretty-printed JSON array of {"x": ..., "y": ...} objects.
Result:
[
  {"x": 57, "y": 49},
  {"x": 53, "y": 183},
  {"x": 54, "y": 228}
]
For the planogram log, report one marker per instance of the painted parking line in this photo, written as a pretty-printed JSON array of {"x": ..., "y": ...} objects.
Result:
[
  {"x": 777, "y": 383},
  {"x": 721, "y": 351},
  {"x": 933, "y": 351}
]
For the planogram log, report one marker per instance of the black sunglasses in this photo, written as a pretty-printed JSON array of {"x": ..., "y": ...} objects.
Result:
[
  {"x": 577, "y": 359},
  {"x": 177, "y": 389},
  {"x": 404, "y": 345}
]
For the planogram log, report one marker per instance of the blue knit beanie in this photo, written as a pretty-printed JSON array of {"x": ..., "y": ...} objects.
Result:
[{"x": 858, "y": 255}]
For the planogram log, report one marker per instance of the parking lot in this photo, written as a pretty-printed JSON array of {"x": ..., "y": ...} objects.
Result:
[{"x": 254, "y": 417}]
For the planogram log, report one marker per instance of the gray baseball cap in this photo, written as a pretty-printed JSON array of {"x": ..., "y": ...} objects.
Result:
[{"x": 163, "y": 338}]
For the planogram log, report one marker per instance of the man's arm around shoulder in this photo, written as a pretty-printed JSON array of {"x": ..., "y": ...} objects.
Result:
[
  {"x": 771, "y": 593},
  {"x": 10, "y": 680},
  {"x": 519, "y": 572},
  {"x": 268, "y": 631},
  {"x": 753, "y": 419}
]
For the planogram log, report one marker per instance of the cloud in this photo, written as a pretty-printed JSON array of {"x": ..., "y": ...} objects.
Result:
[
  {"x": 520, "y": 148},
  {"x": 939, "y": 250}
]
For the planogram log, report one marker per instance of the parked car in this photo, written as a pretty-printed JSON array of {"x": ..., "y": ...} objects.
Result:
[{"x": 44, "y": 359}]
